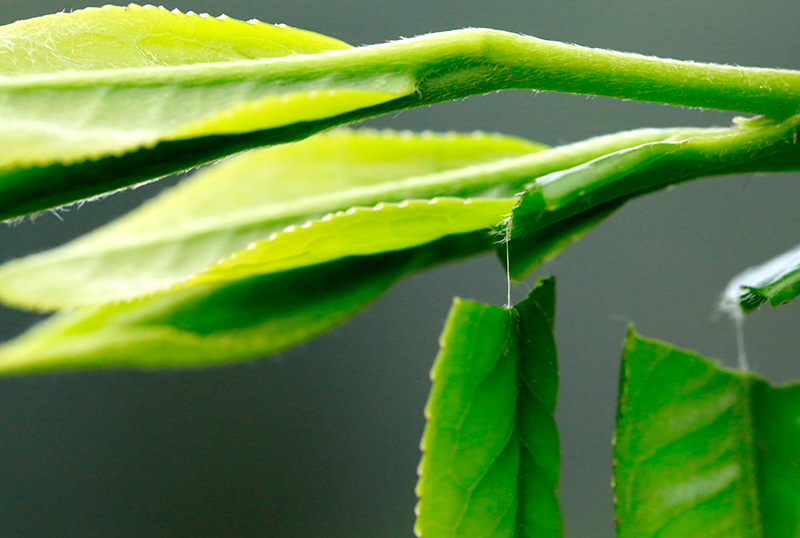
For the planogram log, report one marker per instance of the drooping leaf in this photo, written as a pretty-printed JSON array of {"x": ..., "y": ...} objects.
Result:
[
  {"x": 278, "y": 293},
  {"x": 226, "y": 207},
  {"x": 776, "y": 281},
  {"x": 613, "y": 178},
  {"x": 702, "y": 450},
  {"x": 490, "y": 461}
]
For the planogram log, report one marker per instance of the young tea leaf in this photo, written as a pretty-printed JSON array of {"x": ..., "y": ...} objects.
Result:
[
  {"x": 776, "y": 281},
  {"x": 224, "y": 208},
  {"x": 208, "y": 324},
  {"x": 616, "y": 177},
  {"x": 490, "y": 461},
  {"x": 98, "y": 99},
  {"x": 276, "y": 294},
  {"x": 702, "y": 450}
]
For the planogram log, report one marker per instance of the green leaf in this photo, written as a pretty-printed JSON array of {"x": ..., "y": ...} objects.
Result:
[
  {"x": 226, "y": 207},
  {"x": 540, "y": 245},
  {"x": 490, "y": 461},
  {"x": 278, "y": 293},
  {"x": 757, "y": 145},
  {"x": 209, "y": 324},
  {"x": 101, "y": 99},
  {"x": 702, "y": 450},
  {"x": 776, "y": 281},
  {"x": 97, "y": 99}
]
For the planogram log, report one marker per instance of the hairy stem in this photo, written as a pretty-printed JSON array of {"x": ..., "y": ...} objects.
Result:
[{"x": 456, "y": 64}]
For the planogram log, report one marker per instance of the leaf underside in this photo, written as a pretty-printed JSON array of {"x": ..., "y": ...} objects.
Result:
[
  {"x": 270, "y": 297},
  {"x": 490, "y": 459},
  {"x": 702, "y": 450},
  {"x": 776, "y": 281}
]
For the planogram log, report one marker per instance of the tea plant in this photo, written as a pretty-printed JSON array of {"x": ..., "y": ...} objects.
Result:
[{"x": 270, "y": 247}]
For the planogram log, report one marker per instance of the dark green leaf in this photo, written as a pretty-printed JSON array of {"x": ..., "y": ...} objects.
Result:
[
  {"x": 490, "y": 459},
  {"x": 702, "y": 450}
]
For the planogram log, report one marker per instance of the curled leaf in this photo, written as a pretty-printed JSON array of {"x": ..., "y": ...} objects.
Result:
[
  {"x": 776, "y": 281},
  {"x": 490, "y": 459}
]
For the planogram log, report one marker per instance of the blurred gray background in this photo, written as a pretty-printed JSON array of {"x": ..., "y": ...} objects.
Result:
[{"x": 322, "y": 440}]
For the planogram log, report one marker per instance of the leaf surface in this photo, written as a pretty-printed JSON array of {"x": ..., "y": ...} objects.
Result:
[
  {"x": 490, "y": 459},
  {"x": 776, "y": 281},
  {"x": 79, "y": 91},
  {"x": 226, "y": 207},
  {"x": 101, "y": 99},
  {"x": 267, "y": 298},
  {"x": 702, "y": 450},
  {"x": 613, "y": 178}
]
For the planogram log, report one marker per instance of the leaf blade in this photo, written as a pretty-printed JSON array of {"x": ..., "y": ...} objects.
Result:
[
  {"x": 225, "y": 208},
  {"x": 235, "y": 315},
  {"x": 96, "y": 85},
  {"x": 490, "y": 453},
  {"x": 703, "y": 450}
]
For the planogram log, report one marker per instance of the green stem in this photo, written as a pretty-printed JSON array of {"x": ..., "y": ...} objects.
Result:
[{"x": 460, "y": 63}]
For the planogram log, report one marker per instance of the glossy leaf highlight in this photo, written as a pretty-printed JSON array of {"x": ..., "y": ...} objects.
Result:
[
  {"x": 490, "y": 459},
  {"x": 702, "y": 450}
]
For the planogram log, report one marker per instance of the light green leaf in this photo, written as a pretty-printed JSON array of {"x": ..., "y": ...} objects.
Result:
[
  {"x": 76, "y": 122},
  {"x": 224, "y": 208},
  {"x": 206, "y": 324},
  {"x": 755, "y": 146},
  {"x": 490, "y": 459},
  {"x": 776, "y": 281},
  {"x": 263, "y": 300},
  {"x": 114, "y": 37},
  {"x": 702, "y": 450},
  {"x": 80, "y": 90}
]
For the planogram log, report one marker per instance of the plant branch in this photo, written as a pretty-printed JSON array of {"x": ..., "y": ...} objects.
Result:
[{"x": 460, "y": 63}]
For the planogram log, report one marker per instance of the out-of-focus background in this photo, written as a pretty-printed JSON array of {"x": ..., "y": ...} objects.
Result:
[{"x": 322, "y": 440}]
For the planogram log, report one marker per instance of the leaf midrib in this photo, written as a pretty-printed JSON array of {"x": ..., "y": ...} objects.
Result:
[
  {"x": 752, "y": 469},
  {"x": 198, "y": 72}
]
